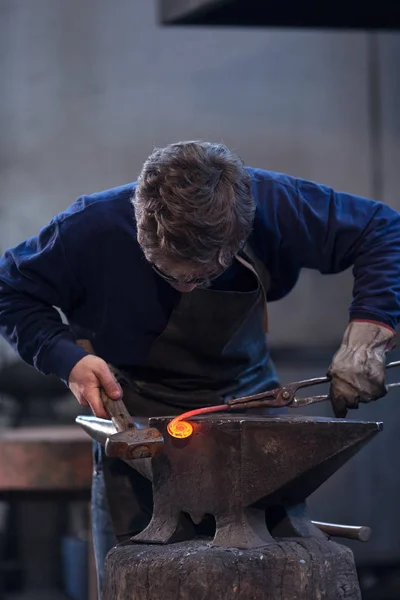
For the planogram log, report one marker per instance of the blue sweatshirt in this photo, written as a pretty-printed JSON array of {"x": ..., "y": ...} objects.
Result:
[{"x": 88, "y": 263}]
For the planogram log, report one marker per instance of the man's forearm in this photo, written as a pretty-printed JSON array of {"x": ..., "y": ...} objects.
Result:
[
  {"x": 37, "y": 334},
  {"x": 376, "y": 291}
]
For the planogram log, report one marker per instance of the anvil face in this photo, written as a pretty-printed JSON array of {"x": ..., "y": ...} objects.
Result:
[{"x": 245, "y": 469}]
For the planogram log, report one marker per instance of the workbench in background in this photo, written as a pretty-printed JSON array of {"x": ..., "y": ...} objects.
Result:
[{"x": 45, "y": 479}]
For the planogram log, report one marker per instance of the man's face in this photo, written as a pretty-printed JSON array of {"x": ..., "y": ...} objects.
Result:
[{"x": 184, "y": 278}]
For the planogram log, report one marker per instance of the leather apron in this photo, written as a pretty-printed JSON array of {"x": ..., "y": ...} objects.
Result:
[{"x": 214, "y": 348}]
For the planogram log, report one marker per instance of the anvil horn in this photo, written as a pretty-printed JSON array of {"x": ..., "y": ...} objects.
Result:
[
  {"x": 98, "y": 429},
  {"x": 101, "y": 429}
]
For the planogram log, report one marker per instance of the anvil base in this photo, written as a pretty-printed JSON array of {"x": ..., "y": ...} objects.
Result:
[{"x": 305, "y": 569}]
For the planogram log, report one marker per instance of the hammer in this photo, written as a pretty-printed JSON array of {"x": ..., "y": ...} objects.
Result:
[{"x": 129, "y": 442}]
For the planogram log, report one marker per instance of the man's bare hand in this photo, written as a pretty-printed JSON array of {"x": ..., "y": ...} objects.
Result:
[{"x": 86, "y": 379}]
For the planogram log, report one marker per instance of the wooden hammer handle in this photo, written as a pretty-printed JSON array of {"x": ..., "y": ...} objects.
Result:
[{"x": 117, "y": 410}]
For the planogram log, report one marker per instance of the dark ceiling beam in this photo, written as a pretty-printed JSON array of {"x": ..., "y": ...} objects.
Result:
[{"x": 336, "y": 14}]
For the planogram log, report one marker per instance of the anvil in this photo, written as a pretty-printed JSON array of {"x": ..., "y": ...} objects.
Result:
[{"x": 252, "y": 474}]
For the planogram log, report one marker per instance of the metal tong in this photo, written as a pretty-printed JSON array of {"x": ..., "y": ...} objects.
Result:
[{"x": 286, "y": 395}]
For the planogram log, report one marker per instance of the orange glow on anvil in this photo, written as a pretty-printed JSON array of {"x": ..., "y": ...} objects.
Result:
[{"x": 179, "y": 429}]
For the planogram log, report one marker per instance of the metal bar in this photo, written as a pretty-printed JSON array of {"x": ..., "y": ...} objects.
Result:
[{"x": 350, "y": 532}]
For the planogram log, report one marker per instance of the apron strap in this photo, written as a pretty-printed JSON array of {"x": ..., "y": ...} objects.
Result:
[
  {"x": 264, "y": 281},
  {"x": 262, "y": 271}
]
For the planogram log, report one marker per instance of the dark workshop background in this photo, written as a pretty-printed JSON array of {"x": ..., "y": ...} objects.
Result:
[{"x": 89, "y": 87}]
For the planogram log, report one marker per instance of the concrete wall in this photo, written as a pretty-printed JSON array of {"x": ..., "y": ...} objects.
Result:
[{"x": 90, "y": 86}]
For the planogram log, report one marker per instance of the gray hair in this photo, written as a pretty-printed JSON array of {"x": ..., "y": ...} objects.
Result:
[{"x": 193, "y": 204}]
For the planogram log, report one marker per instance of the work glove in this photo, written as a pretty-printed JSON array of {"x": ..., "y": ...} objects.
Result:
[{"x": 358, "y": 371}]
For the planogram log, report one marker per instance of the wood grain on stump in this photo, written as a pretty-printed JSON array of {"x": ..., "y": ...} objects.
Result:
[{"x": 301, "y": 569}]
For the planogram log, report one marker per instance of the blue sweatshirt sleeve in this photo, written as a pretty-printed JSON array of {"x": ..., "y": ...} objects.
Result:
[
  {"x": 35, "y": 277},
  {"x": 329, "y": 231}
]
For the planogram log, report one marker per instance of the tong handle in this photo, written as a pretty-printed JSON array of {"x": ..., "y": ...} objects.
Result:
[
  {"x": 291, "y": 390},
  {"x": 311, "y": 400},
  {"x": 321, "y": 380},
  {"x": 395, "y": 363},
  {"x": 286, "y": 395},
  {"x": 318, "y": 380},
  {"x": 306, "y": 383}
]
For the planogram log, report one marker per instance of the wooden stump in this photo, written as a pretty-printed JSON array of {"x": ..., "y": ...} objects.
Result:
[{"x": 301, "y": 569}]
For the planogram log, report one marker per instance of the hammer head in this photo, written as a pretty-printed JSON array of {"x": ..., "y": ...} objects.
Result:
[
  {"x": 135, "y": 443},
  {"x": 101, "y": 430}
]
